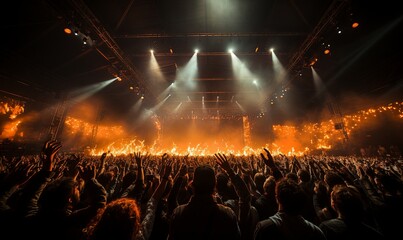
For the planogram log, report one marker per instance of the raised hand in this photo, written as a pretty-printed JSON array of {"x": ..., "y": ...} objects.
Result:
[
  {"x": 222, "y": 161},
  {"x": 269, "y": 161},
  {"x": 167, "y": 169},
  {"x": 89, "y": 172},
  {"x": 138, "y": 158},
  {"x": 49, "y": 151}
]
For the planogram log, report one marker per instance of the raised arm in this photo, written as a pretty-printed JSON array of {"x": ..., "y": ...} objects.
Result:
[{"x": 269, "y": 161}]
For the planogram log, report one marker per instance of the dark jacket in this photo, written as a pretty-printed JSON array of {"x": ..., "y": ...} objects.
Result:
[{"x": 203, "y": 218}]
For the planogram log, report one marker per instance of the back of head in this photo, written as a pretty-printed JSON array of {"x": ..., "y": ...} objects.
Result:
[
  {"x": 347, "y": 202},
  {"x": 58, "y": 195},
  {"x": 304, "y": 175},
  {"x": 119, "y": 220},
  {"x": 390, "y": 184},
  {"x": 290, "y": 196},
  {"x": 204, "y": 180},
  {"x": 106, "y": 178},
  {"x": 332, "y": 179},
  {"x": 222, "y": 182},
  {"x": 292, "y": 176},
  {"x": 259, "y": 180},
  {"x": 269, "y": 186}
]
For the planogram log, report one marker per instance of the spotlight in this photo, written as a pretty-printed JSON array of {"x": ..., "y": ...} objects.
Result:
[
  {"x": 255, "y": 82},
  {"x": 142, "y": 97},
  {"x": 313, "y": 61},
  {"x": 151, "y": 51},
  {"x": 230, "y": 50},
  {"x": 76, "y": 32},
  {"x": 196, "y": 51},
  {"x": 84, "y": 41},
  {"x": 271, "y": 49}
]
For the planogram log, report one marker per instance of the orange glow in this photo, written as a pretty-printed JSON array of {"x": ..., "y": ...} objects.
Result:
[
  {"x": 67, "y": 30},
  {"x": 12, "y": 107},
  {"x": 327, "y": 51},
  {"x": 288, "y": 139},
  {"x": 355, "y": 25},
  {"x": 10, "y": 129}
]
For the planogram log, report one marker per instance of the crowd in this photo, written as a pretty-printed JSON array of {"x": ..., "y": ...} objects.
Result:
[{"x": 54, "y": 195}]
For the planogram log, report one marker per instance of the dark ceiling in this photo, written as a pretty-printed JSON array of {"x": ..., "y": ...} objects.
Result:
[{"x": 40, "y": 63}]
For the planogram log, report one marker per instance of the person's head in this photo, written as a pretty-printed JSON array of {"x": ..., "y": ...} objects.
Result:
[
  {"x": 222, "y": 182},
  {"x": 304, "y": 175},
  {"x": 119, "y": 220},
  {"x": 259, "y": 180},
  {"x": 332, "y": 179},
  {"x": 389, "y": 184},
  {"x": 106, "y": 178},
  {"x": 292, "y": 176},
  {"x": 347, "y": 202},
  {"x": 204, "y": 180},
  {"x": 290, "y": 196},
  {"x": 60, "y": 195},
  {"x": 269, "y": 186}
]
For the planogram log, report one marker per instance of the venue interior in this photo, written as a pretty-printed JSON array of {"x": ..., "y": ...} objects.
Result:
[{"x": 199, "y": 77}]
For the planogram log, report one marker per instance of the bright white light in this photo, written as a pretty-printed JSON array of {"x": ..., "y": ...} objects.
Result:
[
  {"x": 151, "y": 51},
  {"x": 271, "y": 49},
  {"x": 196, "y": 50},
  {"x": 255, "y": 82},
  {"x": 230, "y": 50}
]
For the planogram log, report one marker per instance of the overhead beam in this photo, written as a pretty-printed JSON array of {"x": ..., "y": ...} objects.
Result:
[
  {"x": 86, "y": 14},
  {"x": 332, "y": 11}
]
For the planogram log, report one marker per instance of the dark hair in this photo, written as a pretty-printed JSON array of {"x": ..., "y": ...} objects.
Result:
[
  {"x": 332, "y": 179},
  {"x": 204, "y": 180},
  {"x": 222, "y": 182},
  {"x": 290, "y": 196},
  {"x": 119, "y": 220},
  {"x": 348, "y": 202},
  {"x": 259, "y": 180},
  {"x": 57, "y": 194},
  {"x": 292, "y": 176},
  {"x": 304, "y": 175}
]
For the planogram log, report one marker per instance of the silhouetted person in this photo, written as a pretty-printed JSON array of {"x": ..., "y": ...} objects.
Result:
[
  {"x": 55, "y": 207},
  {"x": 346, "y": 201},
  {"x": 121, "y": 219},
  {"x": 203, "y": 217},
  {"x": 288, "y": 223}
]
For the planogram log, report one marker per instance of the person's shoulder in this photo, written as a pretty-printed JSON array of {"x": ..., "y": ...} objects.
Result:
[
  {"x": 225, "y": 210},
  {"x": 179, "y": 209},
  {"x": 270, "y": 222},
  {"x": 335, "y": 222},
  {"x": 266, "y": 227}
]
